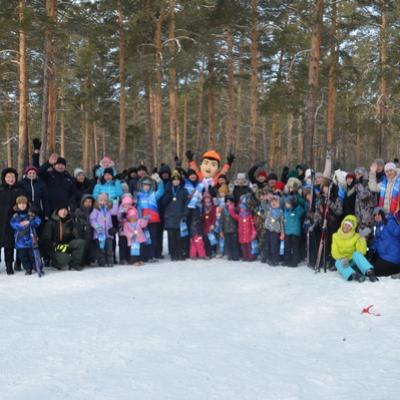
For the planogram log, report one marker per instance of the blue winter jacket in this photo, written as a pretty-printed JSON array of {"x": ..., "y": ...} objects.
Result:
[
  {"x": 292, "y": 220},
  {"x": 387, "y": 241},
  {"x": 112, "y": 188},
  {"x": 23, "y": 238}
]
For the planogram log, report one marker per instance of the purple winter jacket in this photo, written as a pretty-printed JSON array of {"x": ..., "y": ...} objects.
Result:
[{"x": 100, "y": 220}]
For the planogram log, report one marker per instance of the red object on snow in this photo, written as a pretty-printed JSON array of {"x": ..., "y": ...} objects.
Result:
[{"x": 367, "y": 310}]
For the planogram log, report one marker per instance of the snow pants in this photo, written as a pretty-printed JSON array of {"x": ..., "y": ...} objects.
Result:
[
  {"x": 358, "y": 260},
  {"x": 106, "y": 255},
  {"x": 292, "y": 250},
  {"x": 271, "y": 247},
  {"x": 232, "y": 250},
  {"x": 176, "y": 244},
  {"x": 197, "y": 247},
  {"x": 73, "y": 258},
  {"x": 27, "y": 258},
  {"x": 385, "y": 268},
  {"x": 246, "y": 252}
]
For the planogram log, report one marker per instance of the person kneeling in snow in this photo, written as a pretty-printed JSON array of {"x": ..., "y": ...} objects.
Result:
[{"x": 348, "y": 249}]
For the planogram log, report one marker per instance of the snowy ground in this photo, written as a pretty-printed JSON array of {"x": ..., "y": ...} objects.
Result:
[{"x": 197, "y": 330}]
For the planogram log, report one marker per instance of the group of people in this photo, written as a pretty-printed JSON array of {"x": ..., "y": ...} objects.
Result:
[{"x": 344, "y": 221}]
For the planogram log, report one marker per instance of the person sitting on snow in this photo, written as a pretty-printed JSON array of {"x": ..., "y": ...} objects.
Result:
[{"x": 349, "y": 249}]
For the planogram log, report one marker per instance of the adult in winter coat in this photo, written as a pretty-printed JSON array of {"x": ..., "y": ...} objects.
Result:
[
  {"x": 36, "y": 191},
  {"x": 349, "y": 201},
  {"x": 349, "y": 249},
  {"x": 82, "y": 186},
  {"x": 109, "y": 185},
  {"x": 388, "y": 188},
  {"x": 257, "y": 175},
  {"x": 175, "y": 201},
  {"x": 365, "y": 200},
  {"x": 229, "y": 231},
  {"x": 386, "y": 244},
  {"x": 60, "y": 184},
  {"x": 61, "y": 240},
  {"x": 9, "y": 191}
]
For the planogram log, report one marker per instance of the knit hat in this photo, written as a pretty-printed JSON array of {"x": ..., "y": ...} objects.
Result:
[
  {"x": 142, "y": 168},
  {"x": 127, "y": 200},
  {"x": 347, "y": 222},
  {"x": 262, "y": 174},
  {"x": 102, "y": 195},
  {"x": 379, "y": 161},
  {"x": 61, "y": 160},
  {"x": 378, "y": 210},
  {"x": 279, "y": 186},
  {"x": 212, "y": 155},
  {"x": 30, "y": 168},
  {"x": 108, "y": 171},
  {"x": 390, "y": 166},
  {"x": 272, "y": 176},
  {"x": 191, "y": 172},
  {"x": 132, "y": 213},
  {"x": 176, "y": 175},
  {"x": 361, "y": 171},
  {"x": 78, "y": 171}
]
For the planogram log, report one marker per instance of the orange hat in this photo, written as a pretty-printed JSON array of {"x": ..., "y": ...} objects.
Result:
[{"x": 213, "y": 155}]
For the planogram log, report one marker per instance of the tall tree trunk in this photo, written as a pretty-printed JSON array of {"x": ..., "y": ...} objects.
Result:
[
  {"x": 300, "y": 139},
  {"x": 264, "y": 138},
  {"x": 289, "y": 143},
  {"x": 23, "y": 150},
  {"x": 313, "y": 84},
  {"x": 172, "y": 87},
  {"x": 62, "y": 123},
  {"x": 95, "y": 143},
  {"x": 158, "y": 84},
  {"x": 185, "y": 123},
  {"x": 254, "y": 77},
  {"x": 211, "y": 105},
  {"x": 9, "y": 145},
  {"x": 199, "y": 126},
  {"x": 273, "y": 141},
  {"x": 382, "y": 91},
  {"x": 238, "y": 123},
  {"x": 122, "y": 90},
  {"x": 49, "y": 84},
  {"x": 331, "y": 112},
  {"x": 230, "y": 90},
  {"x": 149, "y": 128}
]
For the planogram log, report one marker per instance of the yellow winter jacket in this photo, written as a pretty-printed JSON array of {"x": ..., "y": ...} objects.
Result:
[{"x": 345, "y": 244}]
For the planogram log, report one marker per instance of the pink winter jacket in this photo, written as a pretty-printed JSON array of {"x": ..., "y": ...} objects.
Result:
[
  {"x": 246, "y": 228},
  {"x": 133, "y": 231}
]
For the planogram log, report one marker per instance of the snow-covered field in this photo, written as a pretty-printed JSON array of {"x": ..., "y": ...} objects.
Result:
[{"x": 198, "y": 330}]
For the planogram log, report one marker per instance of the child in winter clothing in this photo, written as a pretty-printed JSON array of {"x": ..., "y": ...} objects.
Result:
[
  {"x": 127, "y": 203},
  {"x": 209, "y": 220},
  {"x": 101, "y": 222},
  {"x": 83, "y": 227},
  {"x": 274, "y": 230},
  {"x": 348, "y": 249},
  {"x": 108, "y": 185},
  {"x": 246, "y": 228},
  {"x": 147, "y": 198},
  {"x": 229, "y": 231},
  {"x": 24, "y": 223},
  {"x": 132, "y": 229},
  {"x": 292, "y": 221}
]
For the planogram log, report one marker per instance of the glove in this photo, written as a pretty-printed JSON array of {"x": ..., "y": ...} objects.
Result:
[
  {"x": 230, "y": 158},
  {"x": 37, "y": 144},
  {"x": 189, "y": 155},
  {"x": 364, "y": 232},
  {"x": 344, "y": 262},
  {"x": 112, "y": 231},
  {"x": 156, "y": 177},
  {"x": 62, "y": 248}
]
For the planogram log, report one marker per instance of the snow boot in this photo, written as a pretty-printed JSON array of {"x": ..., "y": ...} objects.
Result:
[
  {"x": 9, "y": 269},
  {"x": 371, "y": 275},
  {"x": 28, "y": 272},
  {"x": 356, "y": 276}
]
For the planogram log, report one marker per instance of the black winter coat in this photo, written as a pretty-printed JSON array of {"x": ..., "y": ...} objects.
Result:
[
  {"x": 82, "y": 224},
  {"x": 57, "y": 230},
  {"x": 36, "y": 191},
  {"x": 8, "y": 194},
  {"x": 80, "y": 189},
  {"x": 174, "y": 203},
  {"x": 60, "y": 186}
]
